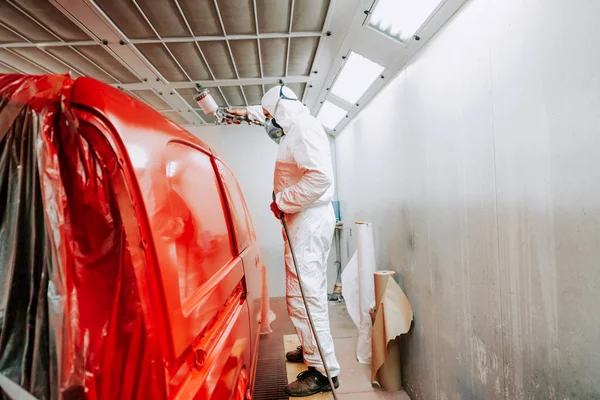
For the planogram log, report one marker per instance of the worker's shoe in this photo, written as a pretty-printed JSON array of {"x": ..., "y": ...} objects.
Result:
[
  {"x": 295, "y": 356},
  {"x": 310, "y": 382}
]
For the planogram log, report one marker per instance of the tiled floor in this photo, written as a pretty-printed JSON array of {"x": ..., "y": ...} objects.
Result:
[{"x": 354, "y": 377}]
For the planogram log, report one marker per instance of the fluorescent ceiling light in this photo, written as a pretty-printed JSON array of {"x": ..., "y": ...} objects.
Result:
[
  {"x": 330, "y": 115},
  {"x": 356, "y": 76},
  {"x": 400, "y": 19}
]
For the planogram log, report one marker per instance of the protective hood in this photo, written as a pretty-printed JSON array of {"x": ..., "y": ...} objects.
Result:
[{"x": 288, "y": 111}]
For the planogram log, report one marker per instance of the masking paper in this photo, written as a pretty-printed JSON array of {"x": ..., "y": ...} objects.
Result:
[
  {"x": 393, "y": 317},
  {"x": 366, "y": 289}
]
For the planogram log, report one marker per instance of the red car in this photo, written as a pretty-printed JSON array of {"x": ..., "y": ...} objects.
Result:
[{"x": 128, "y": 262}]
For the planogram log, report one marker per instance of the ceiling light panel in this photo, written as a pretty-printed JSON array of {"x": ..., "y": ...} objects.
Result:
[
  {"x": 401, "y": 19},
  {"x": 330, "y": 115},
  {"x": 355, "y": 78}
]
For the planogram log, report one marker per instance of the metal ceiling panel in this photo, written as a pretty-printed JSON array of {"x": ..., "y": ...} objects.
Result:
[
  {"x": 274, "y": 16},
  {"x": 175, "y": 117},
  {"x": 164, "y": 16},
  {"x": 128, "y": 18},
  {"x": 309, "y": 15},
  {"x": 188, "y": 56},
  {"x": 6, "y": 36},
  {"x": 253, "y": 94},
  {"x": 202, "y": 17},
  {"x": 270, "y": 86},
  {"x": 45, "y": 60},
  {"x": 6, "y": 70},
  {"x": 151, "y": 99},
  {"x": 162, "y": 60},
  {"x": 102, "y": 58},
  {"x": 298, "y": 88},
  {"x": 218, "y": 58},
  {"x": 17, "y": 21},
  {"x": 302, "y": 54},
  {"x": 81, "y": 64},
  {"x": 237, "y": 16},
  {"x": 189, "y": 94},
  {"x": 160, "y": 46},
  {"x": 19, "y": 63},
  {"x": 207, "y": 118},
  {"x": 245, "y": 55},
  {"x": 273, "y": 55},
  {"x": 234, "y": 96},
  {"x": 45, "y": 13}
]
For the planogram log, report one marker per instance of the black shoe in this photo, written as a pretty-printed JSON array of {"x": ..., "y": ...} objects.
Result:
[
  {"x": 295, "y": 356},
  {"x": 310, "y": 382}
]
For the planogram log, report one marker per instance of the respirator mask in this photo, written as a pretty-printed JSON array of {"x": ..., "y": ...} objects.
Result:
[{"x": 272, "y": 128}]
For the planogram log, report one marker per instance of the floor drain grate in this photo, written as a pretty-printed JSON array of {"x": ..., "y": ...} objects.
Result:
[{"x": 271, "y": 377}]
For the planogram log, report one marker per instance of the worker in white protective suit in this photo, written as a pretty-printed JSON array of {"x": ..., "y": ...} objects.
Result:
[{"x": 304, "y": 188}]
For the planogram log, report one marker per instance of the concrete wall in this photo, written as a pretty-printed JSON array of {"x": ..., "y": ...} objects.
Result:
[
  {"x": 480, "y": 168},
  {"x": 251, "y": 155}
]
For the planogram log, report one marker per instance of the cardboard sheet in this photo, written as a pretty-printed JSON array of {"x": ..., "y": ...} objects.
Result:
[{"x": 393, "y": 317}]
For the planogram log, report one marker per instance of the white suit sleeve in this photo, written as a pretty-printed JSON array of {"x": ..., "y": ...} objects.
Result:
[
  {"x": 255, "y": 113},
  {"x": 313, "y": 158}
]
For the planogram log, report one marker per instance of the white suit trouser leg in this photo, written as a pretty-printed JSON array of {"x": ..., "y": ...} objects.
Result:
[{"x": 311, "y": 234}]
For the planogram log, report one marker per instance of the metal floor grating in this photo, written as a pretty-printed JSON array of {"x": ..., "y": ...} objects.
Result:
[
  {"x": 270, "y": 379},
  {"x": 271, "y": 375}
]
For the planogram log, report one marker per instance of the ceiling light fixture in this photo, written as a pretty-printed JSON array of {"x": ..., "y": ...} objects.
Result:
[
  {"x": 330, "y": 115},
  {"x": 401, "y": 19},
  {"x": 355, "y": 78}
]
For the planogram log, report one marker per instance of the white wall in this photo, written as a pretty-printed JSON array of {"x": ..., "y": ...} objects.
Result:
[
  {"x": 251, "y": 155},
  {"x": 480, "y": 168}
]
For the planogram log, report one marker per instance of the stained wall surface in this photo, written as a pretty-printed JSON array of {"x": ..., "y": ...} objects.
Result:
[{"x": 479, "y": 167}]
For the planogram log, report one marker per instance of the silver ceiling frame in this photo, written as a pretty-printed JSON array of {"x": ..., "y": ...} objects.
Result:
[
  {"x": 323, "y": 34},
  {"x": 189, "y": 28},
  {"x": 161, "y": 41},
  {"x": 104, "y": 33},
  {"x": 237, "y": 75},
  {"x": 220, "y": 83},
  {"x": 26, "y": 14},
  {"x": 258, "y": 36},
  {"x": 185, "y": 39},
  {"x": 289, "y": 41},
  {"x": 90, "y": 18}
]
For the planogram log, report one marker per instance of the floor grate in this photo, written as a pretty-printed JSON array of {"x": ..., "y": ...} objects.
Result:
[{"x": 270, "y": 379}]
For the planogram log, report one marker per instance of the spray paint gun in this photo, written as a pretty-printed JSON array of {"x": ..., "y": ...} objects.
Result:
[{"x": 210, "y": 107}]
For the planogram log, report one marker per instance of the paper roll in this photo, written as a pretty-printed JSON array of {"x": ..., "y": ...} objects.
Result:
[
  {"x": 393, "y": 318},
  {"x": 366, "y": 289},
  {"x": 380, "y": 279}
]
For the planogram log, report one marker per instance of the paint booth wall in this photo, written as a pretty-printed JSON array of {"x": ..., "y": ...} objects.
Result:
[
  {"x": 251, "y": 155},
  {"x": 480, "y": 168}
]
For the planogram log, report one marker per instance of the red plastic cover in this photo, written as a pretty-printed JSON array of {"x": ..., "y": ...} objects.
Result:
[{"x": 71, "y": 320}]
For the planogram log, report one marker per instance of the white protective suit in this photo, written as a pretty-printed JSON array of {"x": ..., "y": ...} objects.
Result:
[{"x": 304, "y": 188}]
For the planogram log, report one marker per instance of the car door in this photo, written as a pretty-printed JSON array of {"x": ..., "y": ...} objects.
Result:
[{"x": 202, "y": 277}]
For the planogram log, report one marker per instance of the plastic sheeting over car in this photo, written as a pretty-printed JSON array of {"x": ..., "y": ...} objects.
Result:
[{"x": 71, "y": 319}]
